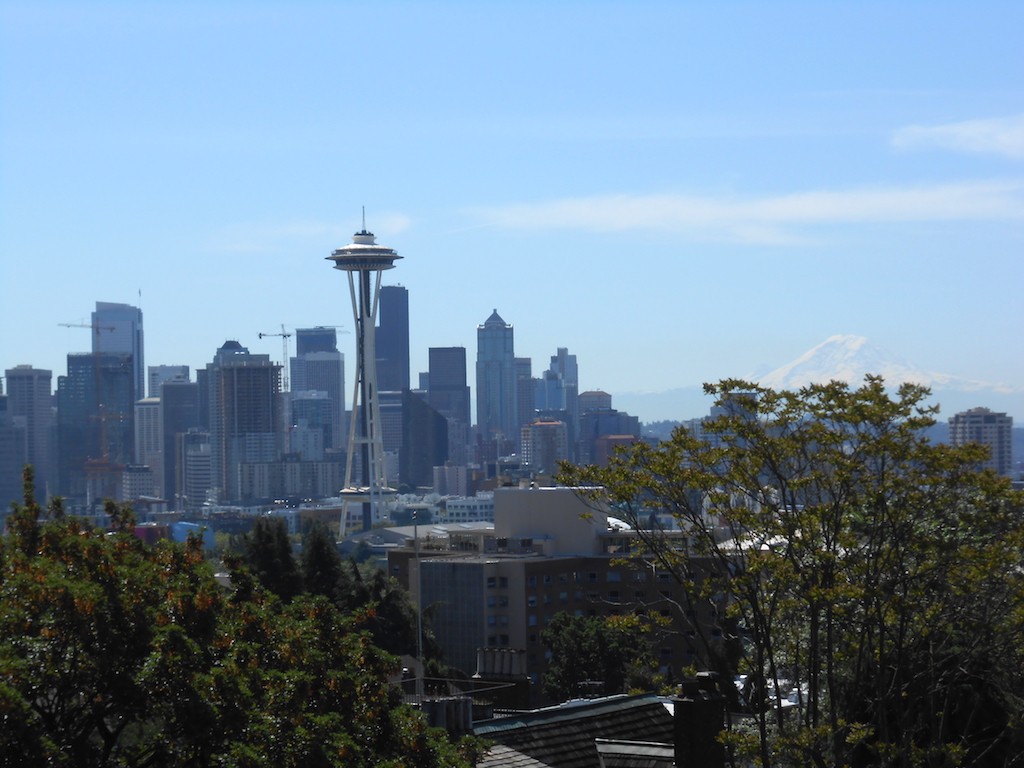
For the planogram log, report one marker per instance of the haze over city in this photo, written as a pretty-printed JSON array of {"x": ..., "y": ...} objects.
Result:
[{"x": 674, "y": 192}]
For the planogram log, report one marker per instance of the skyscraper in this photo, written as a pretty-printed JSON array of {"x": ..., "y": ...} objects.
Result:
[
  {"x": 525, "y": 405},
  {"x": 29, "y": 401},
  {"x": 245, "y": 414},
  {"x": 149, "y": 448},
  {"x": 95, "y": 433},
  {"x": 424, "y": 441},
  {"x": 393, "y": 339},
  {"x": 367, "y": 260},
  {"x": 448, "y": 394},
  {"x": 318, "y": 366},
  {"x": 995, "y": 430},
  {"x": 568, "y": 372},
  {"x": 496, "y": 412},
  {"x": 318, "y": 339},
  {"x": 13, "y": 458},
  {"x": 179, "y": 413},
  {"x": 158, "y": 374},
  {"x": 118, "y": 329}
]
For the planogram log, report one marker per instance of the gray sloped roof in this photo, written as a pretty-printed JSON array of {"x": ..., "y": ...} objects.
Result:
[{"x": 565, "y": 736}]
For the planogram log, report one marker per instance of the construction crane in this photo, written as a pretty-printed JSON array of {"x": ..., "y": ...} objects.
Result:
[
  {"x": 284, "y": 350},
  {"x": 96, "y": 327}
]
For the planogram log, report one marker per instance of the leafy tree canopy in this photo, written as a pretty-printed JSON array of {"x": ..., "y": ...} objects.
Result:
[
  {"x": 115, "y": 653},
  {"x": 879, "y": 576},
  {"x": 595, "y": 654}
]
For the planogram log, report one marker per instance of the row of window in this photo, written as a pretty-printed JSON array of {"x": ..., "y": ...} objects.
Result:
[{"x": 612, "y": 577}]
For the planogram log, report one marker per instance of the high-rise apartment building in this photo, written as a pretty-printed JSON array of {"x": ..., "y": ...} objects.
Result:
[
  {"x": 496, "y": 407},
  {"x": 995, "y": 430},
  {"x": 30, "y": 404},
  {"x": 393, "y": 339},
  {"x": 117, "y": 328},
  {"x": 245, "y": 414}
]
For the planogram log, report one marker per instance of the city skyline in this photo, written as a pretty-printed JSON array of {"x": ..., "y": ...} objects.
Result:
[{"x": 673, "y": 194}]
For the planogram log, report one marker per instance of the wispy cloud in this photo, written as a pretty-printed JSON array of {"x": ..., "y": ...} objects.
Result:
[
  {"x": 764, "y": 220},
  {"x": 1000, "y": 136},
  {"x": 268, "y": 237}
]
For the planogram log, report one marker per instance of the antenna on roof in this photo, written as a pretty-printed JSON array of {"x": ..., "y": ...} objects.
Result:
[{"x": 364, "y": 218}]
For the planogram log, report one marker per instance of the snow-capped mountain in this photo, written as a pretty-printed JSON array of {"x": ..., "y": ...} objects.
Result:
[
  {"x": 846, "y": 358},
  {"x": 849, "y": 358}
]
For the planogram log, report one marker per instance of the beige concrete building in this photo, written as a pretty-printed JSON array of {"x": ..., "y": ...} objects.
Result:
[{"x": 549, "y": 551}]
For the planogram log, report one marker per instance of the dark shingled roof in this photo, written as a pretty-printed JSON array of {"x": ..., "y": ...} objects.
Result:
[{"x": 564, "y": 736}]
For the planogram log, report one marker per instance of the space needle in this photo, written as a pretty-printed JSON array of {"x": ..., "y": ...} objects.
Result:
[{"x": 365, "y": 262}]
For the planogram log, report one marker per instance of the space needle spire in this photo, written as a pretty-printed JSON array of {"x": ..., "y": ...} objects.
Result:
[{"x": 365, "y": 261}]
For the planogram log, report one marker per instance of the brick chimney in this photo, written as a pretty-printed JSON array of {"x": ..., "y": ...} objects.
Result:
[{"x": 699, "y": 718}]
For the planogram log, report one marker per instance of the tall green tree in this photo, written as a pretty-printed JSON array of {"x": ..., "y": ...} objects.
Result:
[
  {"x": 878, "y": 575},
  {"x": 268, "y": 553},
  {"x": 323, "y": 570}
]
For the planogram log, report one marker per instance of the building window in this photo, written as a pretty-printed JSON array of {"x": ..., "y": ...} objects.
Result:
[
  {"x": 531, "y": 620},
  {"x": 503, "y": 601},
  {"x": 491, "y": 601},
  {"x": 503, "y": 582},
  {"x": 614, "y": 576},
  {"x": 531, "y": 601},
  {"x": 563, "y": 597},
  {"x": 547, "y": 578},
  {"x": 531, "y": 581},
  {"x": 491, "y": 582}
]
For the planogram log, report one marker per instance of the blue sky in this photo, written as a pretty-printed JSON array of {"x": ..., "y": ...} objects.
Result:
[{"x": 677, "y": 192}]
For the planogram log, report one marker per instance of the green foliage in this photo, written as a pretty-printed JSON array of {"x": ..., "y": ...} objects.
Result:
[
  {"x": 595, "y": 655},
  {"x": 881, "y": 575},
  {"x": 115, "y": 653},
  {"x": 268, "y": 553}
]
